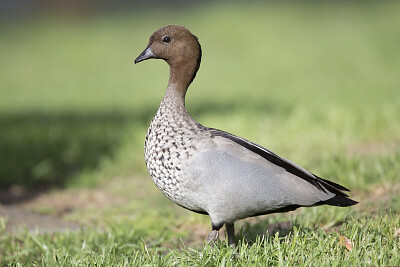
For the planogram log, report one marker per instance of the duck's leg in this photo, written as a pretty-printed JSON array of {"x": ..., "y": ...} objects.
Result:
[
  {"x": 230, "y": 230},
  {"x": 213, "y": 236}
]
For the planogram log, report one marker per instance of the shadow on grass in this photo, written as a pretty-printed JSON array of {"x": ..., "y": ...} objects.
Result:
[
  {"x": 250, "y": 232},
  {"x": 40, "y": 150},
  {"x": 43, "y": 149}
]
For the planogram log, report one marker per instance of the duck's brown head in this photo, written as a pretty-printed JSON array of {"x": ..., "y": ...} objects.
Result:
[{"x": 176, "y": 45}]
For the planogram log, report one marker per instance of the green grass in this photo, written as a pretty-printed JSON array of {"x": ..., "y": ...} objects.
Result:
[
  {"x": 122, "y": 245},
  {"x": 317, "y": 83}
]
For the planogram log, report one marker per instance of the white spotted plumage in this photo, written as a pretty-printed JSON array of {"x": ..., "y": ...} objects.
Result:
[{"x": 169, "y": 143}]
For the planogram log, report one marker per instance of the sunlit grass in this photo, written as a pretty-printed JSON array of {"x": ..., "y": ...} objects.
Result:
[{"x": 373, "y": 244}]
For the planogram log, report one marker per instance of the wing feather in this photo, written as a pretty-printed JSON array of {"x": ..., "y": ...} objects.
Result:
[{"x": 321, "y": 184}]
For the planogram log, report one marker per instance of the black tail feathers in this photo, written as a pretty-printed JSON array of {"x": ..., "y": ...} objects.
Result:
[{"x": 340, "y": 201}]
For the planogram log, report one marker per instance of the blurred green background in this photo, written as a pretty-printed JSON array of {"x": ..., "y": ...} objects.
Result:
[{"x": 316, "y": 82}]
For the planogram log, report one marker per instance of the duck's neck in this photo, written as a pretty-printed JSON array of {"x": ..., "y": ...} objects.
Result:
[{"x": 181, "y": 75}]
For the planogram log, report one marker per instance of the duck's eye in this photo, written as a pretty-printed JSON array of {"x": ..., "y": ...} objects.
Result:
[{"x": 166, "y": 39}]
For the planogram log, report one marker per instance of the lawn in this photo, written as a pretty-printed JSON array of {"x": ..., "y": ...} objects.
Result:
[{"x": 317, "y": 83}]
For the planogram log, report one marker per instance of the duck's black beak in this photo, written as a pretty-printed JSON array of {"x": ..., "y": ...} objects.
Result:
[{"x": 146, "y": 54}]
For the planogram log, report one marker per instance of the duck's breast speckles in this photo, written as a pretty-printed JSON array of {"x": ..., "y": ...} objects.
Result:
[{"x": 169, "y": 144}]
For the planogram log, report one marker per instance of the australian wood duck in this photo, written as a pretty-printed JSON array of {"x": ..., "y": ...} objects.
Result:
[{"x": 210, "y": 171}]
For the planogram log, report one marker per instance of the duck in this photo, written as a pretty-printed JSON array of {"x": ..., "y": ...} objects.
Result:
[{"x": 213, "y": 172}]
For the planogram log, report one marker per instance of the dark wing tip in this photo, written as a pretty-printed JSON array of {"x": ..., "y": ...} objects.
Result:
[
  {"x": 337, "y": 186},
  {"x": 340, "y": 201}
]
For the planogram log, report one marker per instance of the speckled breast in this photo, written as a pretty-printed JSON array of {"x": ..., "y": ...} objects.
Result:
[{"x": 168, "y": 145}]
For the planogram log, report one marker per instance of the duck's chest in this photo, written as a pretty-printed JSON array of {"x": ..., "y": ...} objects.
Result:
[{"x": 169, "y": 144}]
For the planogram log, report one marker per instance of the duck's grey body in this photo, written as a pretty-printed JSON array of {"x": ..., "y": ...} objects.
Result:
[
  {"x": 203, "y": 170},
  {"x": 213, "y": 172}
]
